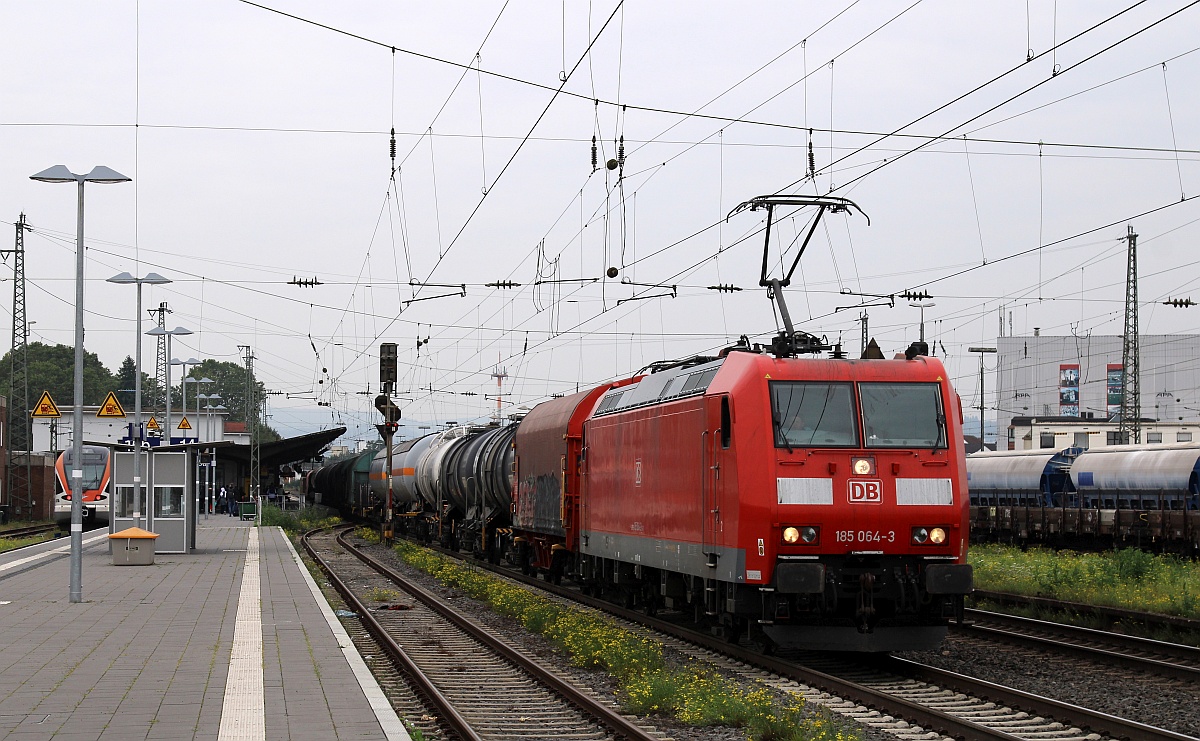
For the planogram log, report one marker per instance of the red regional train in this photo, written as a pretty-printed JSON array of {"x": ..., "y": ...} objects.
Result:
[
  {"x": 791, "y": 501},
  {"x": 97, "y": 472}
]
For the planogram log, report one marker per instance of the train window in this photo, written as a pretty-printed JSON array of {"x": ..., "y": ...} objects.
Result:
[
  {"x": 809, "y": 414},
  {"x": 903, "y": 415}
]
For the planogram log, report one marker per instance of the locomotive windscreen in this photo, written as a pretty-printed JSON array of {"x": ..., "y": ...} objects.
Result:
[
  {"x": 811, "y": 414},
  {"x": 903, "y": 415}
]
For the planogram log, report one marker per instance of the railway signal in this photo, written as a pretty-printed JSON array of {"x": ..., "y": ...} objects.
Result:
[{"x": 391, "y": 416}]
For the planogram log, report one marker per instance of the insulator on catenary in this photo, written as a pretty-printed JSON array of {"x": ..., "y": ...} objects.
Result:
[
  {"x": 393, "y": 145},
  {"x": 724, "y": 288},
  {"x": 621, "y": 152},
  {"x": 593, "y": 153}
]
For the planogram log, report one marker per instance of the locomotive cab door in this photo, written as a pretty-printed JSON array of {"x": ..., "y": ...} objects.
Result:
[{"x": 716, "y": 440}]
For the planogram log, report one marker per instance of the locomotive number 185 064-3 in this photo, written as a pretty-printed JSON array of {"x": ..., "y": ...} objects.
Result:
[{"x": 865, "y": 536}]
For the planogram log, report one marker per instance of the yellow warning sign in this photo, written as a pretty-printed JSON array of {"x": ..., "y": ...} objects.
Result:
[
  {"x": 184, "y": 424},
  {"x": 45, "y": 407},
  {"x": 111, "y": 407},
  {"x": 153, "y": 424}
]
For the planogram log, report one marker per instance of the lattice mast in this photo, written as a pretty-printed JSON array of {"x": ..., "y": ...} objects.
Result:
[
  {"x": 499, "y": 374},
  {"x": 19, "y": 476},
  {"x": 252, "y": 424},
  {"x": 1130, "y": 429},
  {"x": 160, "y": 365}
]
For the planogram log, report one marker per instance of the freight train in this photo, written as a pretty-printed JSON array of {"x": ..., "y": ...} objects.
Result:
[
  {"x": 802, "y": 502},
  {"x": 1142, "y": 496}
]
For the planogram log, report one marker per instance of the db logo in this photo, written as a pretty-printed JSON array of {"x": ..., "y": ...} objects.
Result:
[{"x": 866, "y": 492}]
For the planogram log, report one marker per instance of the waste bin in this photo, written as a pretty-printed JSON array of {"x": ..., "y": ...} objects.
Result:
[
  {"x": 133, "y": 547},
  {"x": 249, "y": 510}
]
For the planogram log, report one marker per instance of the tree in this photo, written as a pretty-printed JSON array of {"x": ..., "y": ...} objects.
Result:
[
  {"x": 230, "y": 382},
  {"x": 52, "y": 368},
  {"x": 126, "y": 386}
]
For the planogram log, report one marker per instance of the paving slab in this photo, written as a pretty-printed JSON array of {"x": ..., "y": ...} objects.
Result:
[{"x": 153, "y": 651}]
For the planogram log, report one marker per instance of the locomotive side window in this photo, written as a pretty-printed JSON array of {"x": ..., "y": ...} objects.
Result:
[
  {"x": 903, "y": 415},
  {"x": 814, "y": 415}
]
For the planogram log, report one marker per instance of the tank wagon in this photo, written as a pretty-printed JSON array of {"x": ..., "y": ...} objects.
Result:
[{"x": 1145, "y": 496}]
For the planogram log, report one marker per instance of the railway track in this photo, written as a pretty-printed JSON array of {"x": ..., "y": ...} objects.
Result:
[
  {"x": 1113, "y": 649},
  {"x": 28, "y": 532},
  {"x": 1111, "y": 616},
  {"x": 474, "y": 684},
  {"x": 892, "y": 694}
]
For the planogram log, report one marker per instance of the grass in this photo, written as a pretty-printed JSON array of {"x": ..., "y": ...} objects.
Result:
[
  {"x": 694, "y": 693},
  {"x": 297, "y": 520},
  {"x": 8, "y": 544},
  {"x": 1129, "y": 579}
]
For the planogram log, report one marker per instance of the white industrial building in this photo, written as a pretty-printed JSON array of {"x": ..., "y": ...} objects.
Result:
[{"x": 1071, "y": 387}]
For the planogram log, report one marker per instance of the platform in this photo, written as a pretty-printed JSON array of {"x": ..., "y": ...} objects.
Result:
[{"x": 231, "y": 642}]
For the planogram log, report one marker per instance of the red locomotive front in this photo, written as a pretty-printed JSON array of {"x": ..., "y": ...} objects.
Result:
[{"x": 811, "y": 502}]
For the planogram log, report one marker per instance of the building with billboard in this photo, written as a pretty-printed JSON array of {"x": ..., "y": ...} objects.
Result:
[{"x": 1078, "y": 379}]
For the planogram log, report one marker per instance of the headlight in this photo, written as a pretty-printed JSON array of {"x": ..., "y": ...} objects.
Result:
[
  {"x": 806, "y": 535},
  {"x": 928, "y": 535},
  {"x": 863, "y": 466}
]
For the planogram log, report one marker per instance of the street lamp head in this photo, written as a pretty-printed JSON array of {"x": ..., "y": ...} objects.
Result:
[
  {"x": 60, "y": 174},
  {"x": 102, "y": 174},
  {"x": 56, "y": 174},
  {"x": 153, "y": 279}
]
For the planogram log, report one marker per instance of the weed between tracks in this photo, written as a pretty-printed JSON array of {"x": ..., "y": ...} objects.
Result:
[{"x": 694, "y": 694}]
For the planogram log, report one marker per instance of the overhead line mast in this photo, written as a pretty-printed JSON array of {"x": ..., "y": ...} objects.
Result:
[
  {"x": 20, "y": 495},
  {"x": 1130, "y": 427}
]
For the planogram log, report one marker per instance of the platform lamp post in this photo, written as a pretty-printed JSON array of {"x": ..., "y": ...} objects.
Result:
[
  {"x": 981, "y": 351},
  {"x": 183, "y": 382},
  {"x": 214, "y": 419},
  {"x": 60, "y": 174},
  {"x": 153, "y": 279},
  {"x": 922, "y": 306},
  {"x": 198, "y": 382},
  {"x": 210, "y": 473},
  {"x": 168, "y": 333}
]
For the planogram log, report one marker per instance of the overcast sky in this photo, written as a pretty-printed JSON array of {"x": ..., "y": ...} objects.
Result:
[{"x": 257, "y": 137}]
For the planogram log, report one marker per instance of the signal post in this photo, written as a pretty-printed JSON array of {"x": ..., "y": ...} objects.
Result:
[{"x": 391, "y": 416}]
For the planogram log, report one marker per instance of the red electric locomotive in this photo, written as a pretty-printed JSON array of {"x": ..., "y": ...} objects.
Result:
[{"x": 817, "y": 503}]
